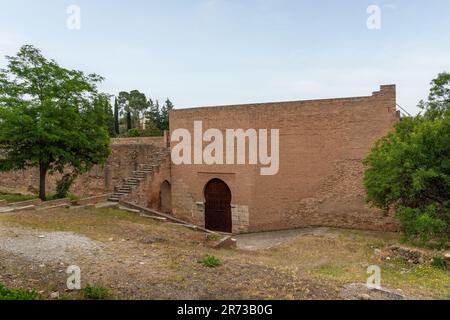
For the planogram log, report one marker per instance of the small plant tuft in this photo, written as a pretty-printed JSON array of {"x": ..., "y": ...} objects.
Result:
[
  {"x": 17, "y": 294},
  {"x": 210, "y": 261},
  {"x": 439, "y": 263},
  {"x": 95, "y": 292}
]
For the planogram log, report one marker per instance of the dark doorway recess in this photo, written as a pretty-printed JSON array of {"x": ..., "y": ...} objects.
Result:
[{"x": 218, "y": 206}]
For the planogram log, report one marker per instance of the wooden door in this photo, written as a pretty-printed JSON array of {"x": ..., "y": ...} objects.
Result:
[{"x": 218, "y": 206}]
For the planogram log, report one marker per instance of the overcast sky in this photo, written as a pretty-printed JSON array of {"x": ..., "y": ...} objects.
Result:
[{"x": 215, "y": 52}]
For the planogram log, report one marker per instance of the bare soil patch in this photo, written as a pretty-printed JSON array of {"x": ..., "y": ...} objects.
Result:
[{"x": 139, "y": 258}]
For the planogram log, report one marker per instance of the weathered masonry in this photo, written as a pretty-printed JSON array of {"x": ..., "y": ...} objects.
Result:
[{"x": 319, "y": 182}]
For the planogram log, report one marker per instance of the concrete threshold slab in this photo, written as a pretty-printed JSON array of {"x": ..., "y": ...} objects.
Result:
[
  {"x": 129, "y": 209},
  {"x": 153, "y": 217},
  {"x": 105, "y": 205}
]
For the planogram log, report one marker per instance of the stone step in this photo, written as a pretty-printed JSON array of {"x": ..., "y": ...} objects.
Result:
[
  {"x": 113, "y": 199},
  {"x": 132, "y": 182},
  {"x": 139, "y": 172},
  {"x": 123, "y": 187},
  {"x": 124, "y": 191},
  {"x": 139, "y": 175}
]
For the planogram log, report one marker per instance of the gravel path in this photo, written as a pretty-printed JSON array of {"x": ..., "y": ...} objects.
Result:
[
  {"x": 39, "y": 246},
  {"x": 267, "y": 240}
]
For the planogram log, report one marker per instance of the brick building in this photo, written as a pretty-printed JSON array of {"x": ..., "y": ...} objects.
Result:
[{"x": 318, "y": 182}]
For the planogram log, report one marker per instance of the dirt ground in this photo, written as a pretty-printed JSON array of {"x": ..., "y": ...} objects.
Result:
[{"x": 140, "y": 258}]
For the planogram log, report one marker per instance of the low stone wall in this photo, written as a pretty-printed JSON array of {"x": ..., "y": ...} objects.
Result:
[
  {"x": 33, "y": 202},
  {"x": 92, "y": 200},
  {"x": 156, "y": 141},
  {"x": 127, "y": 154}
]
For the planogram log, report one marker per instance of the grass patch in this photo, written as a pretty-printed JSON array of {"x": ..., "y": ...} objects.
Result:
[
  {"x": 210, "y": 261},
  {"x": 17, "y": 294},
  {"x": 331, "y": 271},
  {"x": 12, "y": 198},
  {"x": 417, "y": 278},
  {"x": 95, "y": 292},
  {"x": 92, "y": 222}
]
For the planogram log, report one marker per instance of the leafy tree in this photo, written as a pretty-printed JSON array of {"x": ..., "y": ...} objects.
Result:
[
  {"x": 135, "y": 104},
  {"x": 151, "y": 129},
  {"x": 123, "y": 101},
  {"x": 156, "y": 112},
  {"x": 153, "y": 114},
  {"x": 109, "y": 112},
  {"x": 409, "y": 170},
  {"x": 439, "y": 97},
  {"x": 164, "y": 122},
  {"x": 138, "y": 104},
  {"x": 145, "y": 115},
  {"x": 49, "y": 118}
]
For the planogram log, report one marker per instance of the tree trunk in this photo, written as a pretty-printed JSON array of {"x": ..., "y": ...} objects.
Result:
[{"x": 42, "y": 176}]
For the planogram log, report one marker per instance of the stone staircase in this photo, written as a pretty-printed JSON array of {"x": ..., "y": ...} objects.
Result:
[{"x": 144, "y": 171}]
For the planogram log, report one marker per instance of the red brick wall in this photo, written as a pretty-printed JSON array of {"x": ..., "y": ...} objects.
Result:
[{"x": 322, "y": 144}]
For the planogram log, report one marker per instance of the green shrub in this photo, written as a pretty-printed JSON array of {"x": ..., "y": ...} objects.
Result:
[
  {"x": 422, "y": 225},
  {"x": 439, "y": 263},
  {"x": 409, "y": 170},
  {"x": 95, "y": 292},
  {"x": 151, "y": 130},
  {"x": 63, "y": 185},
  {"x": 134, "y": 132},
  {"x": 54, "y": 196},
  {"x": 210, "y": 261},
  {"x": 17, "y": 294}
]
